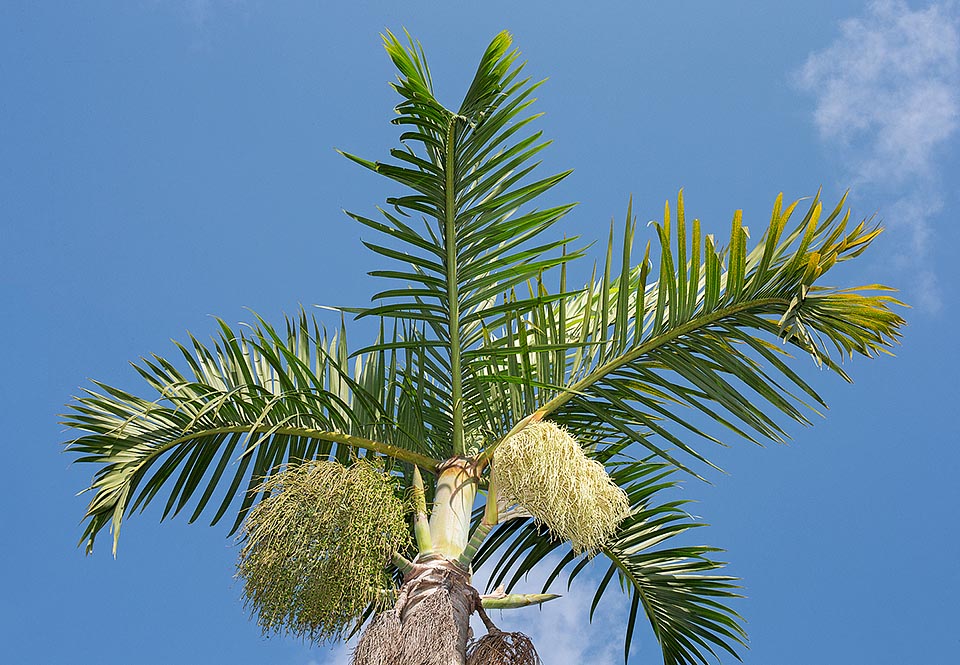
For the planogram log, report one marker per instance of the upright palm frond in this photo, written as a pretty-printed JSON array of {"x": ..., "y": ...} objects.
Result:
[
  {"x": 470, "y": 177},
  {"x": 250, "y": 403}
]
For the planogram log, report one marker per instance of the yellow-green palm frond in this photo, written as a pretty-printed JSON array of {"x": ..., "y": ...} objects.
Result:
[{"x": 628, "y": 356}]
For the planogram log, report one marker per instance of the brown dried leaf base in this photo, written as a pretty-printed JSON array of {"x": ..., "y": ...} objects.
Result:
[
  {"x": 380, "y": 642},
  {"x": 500, "y": 648}
]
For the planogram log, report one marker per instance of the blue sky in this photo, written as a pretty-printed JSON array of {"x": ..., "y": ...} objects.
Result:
[{"x": 162, "y": 161}]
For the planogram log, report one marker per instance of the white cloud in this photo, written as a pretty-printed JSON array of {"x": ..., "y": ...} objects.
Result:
[
  {"x": 888, "y": 88},
  {"x": 888, "y": 102},
  {"x": 911, "y": 219}
]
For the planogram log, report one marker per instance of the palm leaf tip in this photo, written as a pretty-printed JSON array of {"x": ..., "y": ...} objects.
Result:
[
  {"x": 544, "y": 469},
  {"x": 470, "y": 172},
  {"x": 705, "y": 333}
]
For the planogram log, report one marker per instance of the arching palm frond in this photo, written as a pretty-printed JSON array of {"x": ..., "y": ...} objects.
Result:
[
  {"x": 675, "y": 585},
  {"x": 251, "y": 402},
  {"x": 628, "y": 362},
  {"x": 638, "y": 356}
]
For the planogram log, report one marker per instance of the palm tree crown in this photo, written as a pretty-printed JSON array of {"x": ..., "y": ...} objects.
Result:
[{"x": 481, "y": 339}]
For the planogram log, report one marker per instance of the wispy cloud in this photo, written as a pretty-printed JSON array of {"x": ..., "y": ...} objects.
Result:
[
  {"x": 202, "y": 17},
  {"x": 200, "y": 12},
  {"x": 888, "y": 103}
]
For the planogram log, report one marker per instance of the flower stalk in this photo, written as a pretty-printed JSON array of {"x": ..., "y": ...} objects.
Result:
[
  {"x": 508, "y": 601},
  {"x": 421, "y": 527},
  {"x": 490, "y": 519}
]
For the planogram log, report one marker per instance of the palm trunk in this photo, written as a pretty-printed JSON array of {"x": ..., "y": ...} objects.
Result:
[
  {"x": 430, "y": 623},
  {"x": 437, "y": 601}
]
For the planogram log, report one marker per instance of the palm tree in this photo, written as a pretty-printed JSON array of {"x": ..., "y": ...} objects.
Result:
[{"x": 550, "y": 421}]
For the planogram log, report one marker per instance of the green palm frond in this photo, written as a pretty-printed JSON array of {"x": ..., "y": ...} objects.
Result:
[
  {"x": 470, "y": 172},
  {"x": 627, "y": 353},
  {"x": 628, "y": 361},
  {"x": 251, "y": 402},
  {"x": 675, "y": 586}
]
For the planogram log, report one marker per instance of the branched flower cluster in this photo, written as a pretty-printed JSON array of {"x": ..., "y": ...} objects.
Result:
[
  {"x": 545, "y": 470},
  {"x": 315, "y": 549}
]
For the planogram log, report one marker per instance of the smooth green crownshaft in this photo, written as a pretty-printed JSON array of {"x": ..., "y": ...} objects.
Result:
[{"x": 452, "y": 506}]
